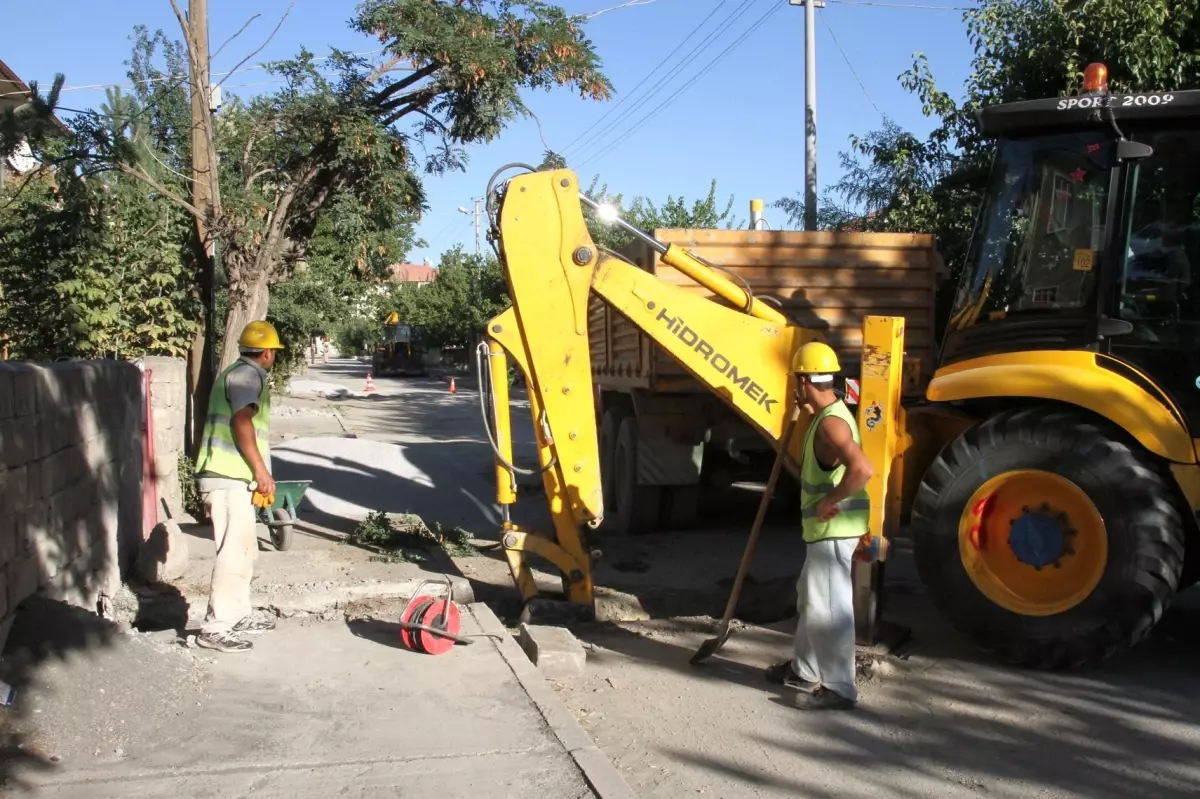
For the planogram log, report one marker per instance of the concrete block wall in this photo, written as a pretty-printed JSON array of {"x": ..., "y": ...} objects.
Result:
[
  {"x": 168, "y": 400},
  {"x": 70, "y": 479}
]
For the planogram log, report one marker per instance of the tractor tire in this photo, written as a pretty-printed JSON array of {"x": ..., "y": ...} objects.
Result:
[
  {"x": 638, "y": 506},
  {"x": 1141, "y": 524},
  {"x": 610, "y": 426}
]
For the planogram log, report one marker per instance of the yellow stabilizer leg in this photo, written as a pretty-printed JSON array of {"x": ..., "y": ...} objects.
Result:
[{"x": 881, "y": 427}]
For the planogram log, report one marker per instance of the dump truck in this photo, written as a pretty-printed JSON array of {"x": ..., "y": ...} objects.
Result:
[
  {"x": 688, "y": 443},
  {"x": 1048, "y": 467}
]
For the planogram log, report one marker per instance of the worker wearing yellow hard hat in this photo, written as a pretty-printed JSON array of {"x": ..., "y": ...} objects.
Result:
[
  {"x": 834, "y": 511},
  {"x": 234, "y": 466}
]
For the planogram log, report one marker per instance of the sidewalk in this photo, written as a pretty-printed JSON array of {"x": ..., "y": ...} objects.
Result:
[{"x": 315, "y": 710}]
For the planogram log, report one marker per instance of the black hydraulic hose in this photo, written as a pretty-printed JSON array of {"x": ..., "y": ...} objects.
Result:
[{"x": 482, "y": 356}]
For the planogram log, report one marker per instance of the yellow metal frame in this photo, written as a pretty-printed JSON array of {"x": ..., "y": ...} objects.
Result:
[
  {"x": 1072, "y": 377},
  {"x": 881, "y": 420},
  {"x": 743, "y": 354}
]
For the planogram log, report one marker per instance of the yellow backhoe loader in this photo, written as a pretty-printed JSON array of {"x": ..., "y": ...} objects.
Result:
[{"x": 1048, "y": 469}]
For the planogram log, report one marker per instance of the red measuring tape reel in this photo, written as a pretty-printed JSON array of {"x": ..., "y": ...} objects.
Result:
[{"x": 431, "y": 625}]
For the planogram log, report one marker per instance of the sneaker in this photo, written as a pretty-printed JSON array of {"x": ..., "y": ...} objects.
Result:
[
  {"x": 252, "y": 626},
  {"x": 223, "y": 642},
  {"x": 783, "y": 674},
  {"x": 823, "y": 699}
]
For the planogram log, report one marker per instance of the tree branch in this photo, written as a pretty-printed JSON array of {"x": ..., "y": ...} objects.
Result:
[
  {"x": 141, "y": 174},
  {"x": 387, "y": 91},
  {"x": 261, "y": 46},
  {"x": 435, "y": 120},
  {"x": 383, "y": 69},
  {"x": 240, "y": 30},
  {"x": 419, "y": 97},
  {"x": 250, "y": 180}
]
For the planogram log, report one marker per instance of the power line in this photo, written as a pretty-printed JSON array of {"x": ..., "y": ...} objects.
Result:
[
  {"x": 649, "y": 75},
  {"x": 166, "y": 78},
  {"x": 679, "y": 92},
  {"x": 853, "y": 72},
  {"x": 696, "y": 52},
  {"x": 902, "y": 5}
]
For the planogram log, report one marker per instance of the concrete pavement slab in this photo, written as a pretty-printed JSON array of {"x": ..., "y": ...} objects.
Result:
[{"x": 336, "y": 709}]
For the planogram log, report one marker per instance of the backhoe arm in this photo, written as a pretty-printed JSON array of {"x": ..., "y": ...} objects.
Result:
[{"x": 552, "y": 266}]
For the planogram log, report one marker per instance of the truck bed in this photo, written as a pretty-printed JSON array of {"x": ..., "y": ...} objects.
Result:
[{"x": 823, "y": 280}]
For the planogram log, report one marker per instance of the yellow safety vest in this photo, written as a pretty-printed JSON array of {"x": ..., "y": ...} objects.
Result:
[
  {"x": 219, "y": 454},
  {"x": 815, "y": 483}
]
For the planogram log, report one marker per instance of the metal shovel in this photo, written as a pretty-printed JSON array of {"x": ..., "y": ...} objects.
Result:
[{"x": 712, "y": 645}]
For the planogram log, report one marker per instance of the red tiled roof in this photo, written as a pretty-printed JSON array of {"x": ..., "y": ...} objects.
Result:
[{"x": 412, "y": 273}]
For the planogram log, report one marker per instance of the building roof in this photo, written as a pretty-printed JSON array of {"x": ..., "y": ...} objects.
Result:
[
  {"x": 412, "y": 273},
  {"x": 14, "y": 92}
]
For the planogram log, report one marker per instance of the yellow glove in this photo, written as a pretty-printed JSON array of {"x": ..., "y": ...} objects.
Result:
[{"x": 262, "y": 500}]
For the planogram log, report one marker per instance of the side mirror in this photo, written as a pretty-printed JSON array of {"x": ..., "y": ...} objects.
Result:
[{"x": 1133, "y": 150}]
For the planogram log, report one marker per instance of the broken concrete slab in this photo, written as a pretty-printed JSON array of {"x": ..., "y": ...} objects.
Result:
[{"x": 554, "y": 650}]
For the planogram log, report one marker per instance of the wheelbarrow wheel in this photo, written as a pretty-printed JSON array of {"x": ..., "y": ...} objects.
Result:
[{"x": 281, "y": 531}]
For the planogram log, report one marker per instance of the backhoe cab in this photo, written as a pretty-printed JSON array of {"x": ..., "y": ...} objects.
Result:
[
  {"x": 1056, "y": 529},
  {"x": 1048, "y": 468}
]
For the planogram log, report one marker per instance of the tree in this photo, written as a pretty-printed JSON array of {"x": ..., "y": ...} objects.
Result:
[
  {"x": 353, "y": 144},
  {"x": 93, "y": 269},
  {"x": 453, "y": 311}
]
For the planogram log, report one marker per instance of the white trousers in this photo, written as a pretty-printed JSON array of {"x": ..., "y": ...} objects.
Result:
[
  {"x": 236, "y": 534},
  {"x": 824, "y": 644}
]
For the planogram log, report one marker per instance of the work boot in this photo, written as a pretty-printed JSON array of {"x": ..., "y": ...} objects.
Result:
[
  {"x": 252, "y": 626},
  {"x": 823, "y": 699},
  {"x": 783, "y": 674},
  {"x": 223, "y": 642}
]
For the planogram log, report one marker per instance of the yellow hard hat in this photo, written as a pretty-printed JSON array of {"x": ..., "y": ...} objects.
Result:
[
  {"x": 260, "y": 336},
  {"x": 815, "y": 358}
]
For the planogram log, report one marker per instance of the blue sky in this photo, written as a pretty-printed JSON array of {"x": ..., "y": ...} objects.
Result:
[{"x": 742, "y": 123}]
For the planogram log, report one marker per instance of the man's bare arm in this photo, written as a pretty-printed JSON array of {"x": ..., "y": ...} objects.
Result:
[
  {"x": 247, "y": 443},
  {"x": 859, "y": 471}
]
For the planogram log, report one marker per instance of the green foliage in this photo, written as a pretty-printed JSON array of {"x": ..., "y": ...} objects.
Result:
[
  {"x": 31, "y": 122},
  {"x": 675, "y": 212},
  {"x": 359, "y": 334},
  {"x": 347, "y": 139},
  {"x": 93, "y": 270},
  {"x": 192, "y": 504},
  {"x": 407, "y": 538},
  {"x": 452, "y": 311}
]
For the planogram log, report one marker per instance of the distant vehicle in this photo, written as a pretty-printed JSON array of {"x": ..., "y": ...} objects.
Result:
[{"x": 402, "y": 351}]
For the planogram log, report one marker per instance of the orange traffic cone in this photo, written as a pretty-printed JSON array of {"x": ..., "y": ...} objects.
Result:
[
  {"x": 453, "y": 390},
  {"x": 370, "y": 384}
]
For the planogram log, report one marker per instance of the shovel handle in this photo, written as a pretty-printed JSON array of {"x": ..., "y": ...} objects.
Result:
[{"x": 748, "y": 554}]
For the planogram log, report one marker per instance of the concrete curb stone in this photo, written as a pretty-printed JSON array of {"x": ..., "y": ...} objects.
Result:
[{"x": 599, "y": 772}]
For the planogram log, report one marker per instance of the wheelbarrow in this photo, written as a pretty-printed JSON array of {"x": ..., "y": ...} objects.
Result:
[{"x": 283, "y": 512}]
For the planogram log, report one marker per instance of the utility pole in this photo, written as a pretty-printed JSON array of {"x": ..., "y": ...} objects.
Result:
[
  {"x": 202, "y": 349},
  {"x": 476, "y": 213},
  {"x": 810, "y": 109}
]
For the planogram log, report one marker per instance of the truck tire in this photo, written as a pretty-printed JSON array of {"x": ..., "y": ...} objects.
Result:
[
  {"x": 610, "y": 426},
  {"x": 680, "y": 507},
  {"x": 1046, "y": 539},
  {"x": 637, "y": 506}
]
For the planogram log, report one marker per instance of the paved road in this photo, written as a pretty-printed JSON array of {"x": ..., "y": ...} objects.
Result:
[
  {"x": 946, "y": 722},
  {"x": 418, "y": 449}
]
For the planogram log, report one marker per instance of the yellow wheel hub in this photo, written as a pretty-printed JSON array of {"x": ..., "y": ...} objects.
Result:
[{"x": 1033, "y": 542}]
